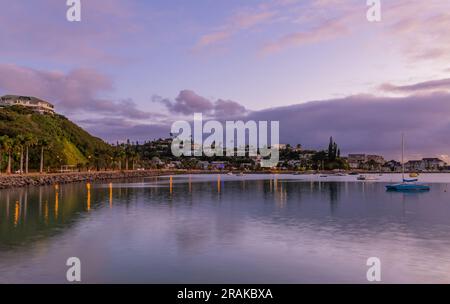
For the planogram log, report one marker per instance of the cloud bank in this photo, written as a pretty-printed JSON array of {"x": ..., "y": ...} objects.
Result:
[
  {"x": 188, "y": 102},
  {"x": 360, "y": 123}
]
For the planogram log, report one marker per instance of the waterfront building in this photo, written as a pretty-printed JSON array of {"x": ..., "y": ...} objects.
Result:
[
  {"x": 434, "y": 164},
  {"x": 362, "y": 161},
  {"x": 376, "y": 158},
  {"x": 203, "y": 165},
  {"x": 306, "y": 155},
  {"x": 356, "y": 161},
  {"x": 415, "y": 165},
  {"x": 393, "y": 166},
  {"x": 294, "y": 163},
  {"x": 175, "y": 165},
  {"x": 280, "y": 146}
]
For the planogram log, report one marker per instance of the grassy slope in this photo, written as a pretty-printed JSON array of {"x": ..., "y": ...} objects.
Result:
[{"x": 68, "y": 141}]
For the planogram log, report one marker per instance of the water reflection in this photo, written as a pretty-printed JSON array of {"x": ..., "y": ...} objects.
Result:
[
  {"x": 174, "y": 229},
  {"x": 38, "y": 212}
]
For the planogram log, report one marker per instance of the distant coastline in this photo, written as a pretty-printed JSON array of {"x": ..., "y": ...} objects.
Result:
[{"x": 49, "y": 179}]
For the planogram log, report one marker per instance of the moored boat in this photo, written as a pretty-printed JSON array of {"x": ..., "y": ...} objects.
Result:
[
  {"x": 407, "y": 185},
  {"x": 410, "y": 180},
  {"x": 366, "y": 178}
]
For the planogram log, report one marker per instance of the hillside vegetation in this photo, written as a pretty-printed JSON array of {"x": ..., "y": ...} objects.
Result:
[{"x": 66, "y": 143}]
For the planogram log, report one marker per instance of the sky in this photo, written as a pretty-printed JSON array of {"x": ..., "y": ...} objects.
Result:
[{"x": 130, "y": 67}]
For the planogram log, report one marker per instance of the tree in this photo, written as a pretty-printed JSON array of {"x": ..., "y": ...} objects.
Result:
[
  {"x": 119, "y": 154},
  {"x": 334, "y": 153},
  {"x": 127, "y": 154},
  {"x": 20, "y": 143},
  {"x": 30, "y": 141},
  {"x": 319, "y": 158},
  {"x": 3, "y": 147},
  {"x": 372, "y": 164},
  {"x": 8, "y": 146},
  {"x": 133, "y": 156},
  {"x": 44, "y": 144},
  {"x": 97, "y": 154},
  {"x": 331, "y": 149}
]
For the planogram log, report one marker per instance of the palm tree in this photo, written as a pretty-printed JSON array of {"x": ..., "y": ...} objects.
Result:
[
  {"x": 120, "y": 154},
  {"x": 20, "y": 143},
  {"x": 3, "y": 142},
  {"x": 30, "y": 141},
  {"x": 117, "y": 156},
  {"x": 127, "y": 154},
  {"x": 132, "y": 155},
  {"x": 8, "y": 146},
  {"x": 44, "y": 144}
]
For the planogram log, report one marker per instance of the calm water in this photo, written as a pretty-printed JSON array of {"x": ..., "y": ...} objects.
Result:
[{"x": 252, "y": 229}]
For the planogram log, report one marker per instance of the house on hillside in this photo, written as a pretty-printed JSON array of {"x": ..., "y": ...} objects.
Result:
[
  {"x": 33, "y": 103},
  {"x": 356, "y": 161}
]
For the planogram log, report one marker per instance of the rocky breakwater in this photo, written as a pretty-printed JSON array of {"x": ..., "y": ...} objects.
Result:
[{"x": 15, "y": 181}]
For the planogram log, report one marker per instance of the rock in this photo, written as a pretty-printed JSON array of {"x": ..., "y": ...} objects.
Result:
[{"x": 14, "y": 181}]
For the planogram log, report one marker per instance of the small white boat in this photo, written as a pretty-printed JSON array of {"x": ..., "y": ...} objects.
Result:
[
  {"x": 367, "y": 178},
  {"x": 230, "y": 174}
]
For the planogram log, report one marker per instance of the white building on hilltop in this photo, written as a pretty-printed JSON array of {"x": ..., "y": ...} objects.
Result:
[{"x": 33, "y": 103}]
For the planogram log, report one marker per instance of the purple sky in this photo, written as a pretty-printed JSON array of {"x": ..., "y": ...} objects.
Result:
[{"x": 130, "y": 68}]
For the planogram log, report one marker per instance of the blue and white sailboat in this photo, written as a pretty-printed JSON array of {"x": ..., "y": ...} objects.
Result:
[{"x": 407, "y": 184}]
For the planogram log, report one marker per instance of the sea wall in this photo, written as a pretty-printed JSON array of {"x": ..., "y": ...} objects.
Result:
[{"x": 13, "y": 181}]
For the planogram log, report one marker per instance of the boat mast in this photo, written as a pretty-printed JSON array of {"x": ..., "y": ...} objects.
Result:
[{"x": 403, "y": 156}]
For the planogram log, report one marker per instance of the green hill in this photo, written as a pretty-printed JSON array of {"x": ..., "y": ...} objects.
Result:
[{"x": 69, "y": 144}]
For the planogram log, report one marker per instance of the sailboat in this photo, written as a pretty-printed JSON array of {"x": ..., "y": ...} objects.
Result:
[{"x": 407, "y": 184}]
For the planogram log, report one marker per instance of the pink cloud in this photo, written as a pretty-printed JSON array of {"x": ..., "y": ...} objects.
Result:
[
  {"x": 422, "y": 87},
  {"x": 40, "y": 30},
  {"x": 188, "y": 102},
  {"x": 325, "y": 31},
  {"x": 243, "y": 19},
  {"x": 419, "y": 29},
  {"x": 72, "y": 92}
]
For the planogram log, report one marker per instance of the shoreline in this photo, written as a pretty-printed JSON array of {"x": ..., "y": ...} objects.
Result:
[{"x": 48, "y": 179}]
